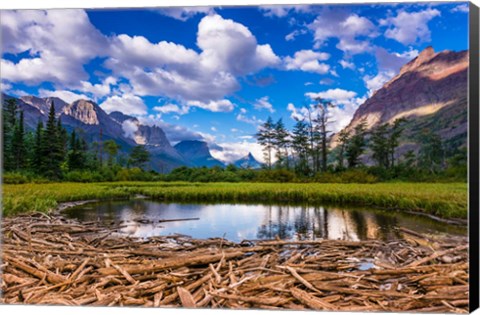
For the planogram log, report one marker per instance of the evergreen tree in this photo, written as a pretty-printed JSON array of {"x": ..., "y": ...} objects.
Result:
[
  {"x": 266, "y": 138},
  {"x": 343, "y": 138},
  {"x": 321, "y": 126},
  {"x": 393, "y": 141},
  {"x": 9, "y": 122},
  {"x": 300, "y": 144},
  {"x": 51, "y": 148},
  {"x": 139, "y": 156},
  {"x": 312, "y": 149},
  {"x": 62, "y": 142},
  {"x": 111, "y": 147},
  {"x": 379, "y": 144},
  {"x": 30, "y": 149},
  {"x": 282, "y": 143},
  {"x": 356, "y": 145},
  {"x": 431, "y": 151},
  {"x": 409, "y": 159},
  {"x": 76, "y": 157},
  {"x": 19, "y": 152},
  {"x": 38, "y": 157}
]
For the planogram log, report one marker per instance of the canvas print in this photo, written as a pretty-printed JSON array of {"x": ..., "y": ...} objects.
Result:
[{"x": 299, "y": 157}]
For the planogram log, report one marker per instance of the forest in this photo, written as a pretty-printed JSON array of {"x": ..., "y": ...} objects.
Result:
[{"x": 304, "y": 154}]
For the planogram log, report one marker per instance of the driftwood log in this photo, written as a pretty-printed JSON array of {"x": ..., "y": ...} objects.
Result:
[{"x": 54, "y": 260}]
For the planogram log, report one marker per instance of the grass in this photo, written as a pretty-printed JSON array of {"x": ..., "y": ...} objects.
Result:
[{"x": 447, "y": 200}]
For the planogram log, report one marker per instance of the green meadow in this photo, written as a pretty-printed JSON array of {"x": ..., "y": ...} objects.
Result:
[{"x": 446, "y": 200}]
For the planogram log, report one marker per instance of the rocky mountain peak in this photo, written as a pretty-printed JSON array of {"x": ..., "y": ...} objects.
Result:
[
  {"x": 151, "y": 135},
  {"x": 120, "y": 117},
  {"x": 84, "y": 111},
  {"x": 43, "y": 104},
  {"x": 425, "y": 55},
  {"x": 430, "y": 88},
  {"x": 197, "y": 153},
  {"x": 193, "y": 147},
  {"x": 248, "y": 161}
]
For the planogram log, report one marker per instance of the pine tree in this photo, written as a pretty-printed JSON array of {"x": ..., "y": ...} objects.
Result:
[
  {"x": 19, "y": 152},
  {"x": 379, "y": 144},
  {"x": 281, "y": 143},
  {"x": 51, "y": 148},
  {"x": 356, "y": 145},
  {"x": 300, "y": 144},
  {"x": 343, "y": 138},
  {"x": 76, "y": 158},
  {"x": 431, "y": 151},
  {"x": 139, "y": 156},
  {"x": 29, "y": 149},
  {"x": 266, "y": 138},
  {"x": 111, "y": 147},
  {"x": 62, "y": 142},
  {"x": 321, "y": 128},
  {"x": 37, "y": 159},
  {"x": 10, "y": 109},
  {"x": 393, "y": 141}
]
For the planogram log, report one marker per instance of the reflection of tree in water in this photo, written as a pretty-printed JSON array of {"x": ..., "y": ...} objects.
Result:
[
  {"x": 387, "y": 226},
  {"x": 302, "y": 223},
  {"x": 358, "y": 217},
  {"x": 276, "y": 225},
  {"x": 306, "y": 223},
  {"x": 313, "y": 223}
]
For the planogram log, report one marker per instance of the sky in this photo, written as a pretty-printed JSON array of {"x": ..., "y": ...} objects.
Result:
[{"x": 217, "y": 73}]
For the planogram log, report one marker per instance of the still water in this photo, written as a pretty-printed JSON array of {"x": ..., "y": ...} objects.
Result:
[{"x": 237, "y": 222}]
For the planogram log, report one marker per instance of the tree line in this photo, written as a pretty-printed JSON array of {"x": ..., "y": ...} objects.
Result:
[
  {"x": 53, "y": 153},
  {"x": 305, "y": 149}
]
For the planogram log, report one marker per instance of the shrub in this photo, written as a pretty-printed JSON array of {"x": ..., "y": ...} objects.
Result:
[
  {"x": 15, "y": 178},
  {"x": 357, "y": 176},
  {"x": 83, "y": 176},
  {"x": 275, "y": 176}
]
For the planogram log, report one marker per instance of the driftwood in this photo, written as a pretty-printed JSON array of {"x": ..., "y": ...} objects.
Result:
[{"x": 54, "y": 260}]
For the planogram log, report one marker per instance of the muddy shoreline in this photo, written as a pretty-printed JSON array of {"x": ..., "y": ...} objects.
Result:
[{"x": 49, "y": 259}]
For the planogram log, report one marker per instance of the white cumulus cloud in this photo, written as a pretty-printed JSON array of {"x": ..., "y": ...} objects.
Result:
[
  {"x": 308, "y": 61},
  {"x": 213, "y": 106},
  {"x": 353, "y": 32},
  {"x": 264, "y": 103},
  {"x": 232, "y": 151},
  {"x": 347, "y": 64},
  {"x": 373, "y": 83},
  {"x": 130, "y": 127},
  {"x": 339, "y": 95},
  {"x": 171, "y": 108},
  {"x": 184, "y": 13},
  {"x": 283, "y": 10},
  {"x": 410, "y": 27},
  {"x": 64, "y": 95},
  {"x": 44, "y": 34},
  {"x": 128, "y": 104},
  {"x": 463, "y": 8}
]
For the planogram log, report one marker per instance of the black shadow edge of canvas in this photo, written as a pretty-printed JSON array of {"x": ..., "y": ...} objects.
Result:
[{"x": 473, "y": 134}]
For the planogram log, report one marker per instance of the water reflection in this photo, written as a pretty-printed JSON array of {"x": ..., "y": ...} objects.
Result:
[{"x": 238, "y": 222}]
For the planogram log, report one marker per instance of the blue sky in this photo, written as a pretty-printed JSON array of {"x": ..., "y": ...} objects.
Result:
[{"x": 216, "y": 73}]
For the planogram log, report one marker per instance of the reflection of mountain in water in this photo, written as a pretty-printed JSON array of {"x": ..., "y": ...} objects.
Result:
[
  {"x": 305, "y": 223},
  {"x": 238, "y": 222}
]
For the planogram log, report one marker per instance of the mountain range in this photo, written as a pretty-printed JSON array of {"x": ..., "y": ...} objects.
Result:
[
  {"x": 430, "y": 91},
  {"x": 93, "y": 124}
]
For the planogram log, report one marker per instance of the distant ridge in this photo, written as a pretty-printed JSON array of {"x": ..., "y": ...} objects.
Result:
[
  {"x": 197, "y": 153},
  {"x": 95, "y": 125},
  {"x": 248, "y": 162},
  {"x": 430, "y": 91}
]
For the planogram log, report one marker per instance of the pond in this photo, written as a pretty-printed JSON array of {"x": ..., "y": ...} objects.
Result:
[{"x": 237, "y": 222}]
